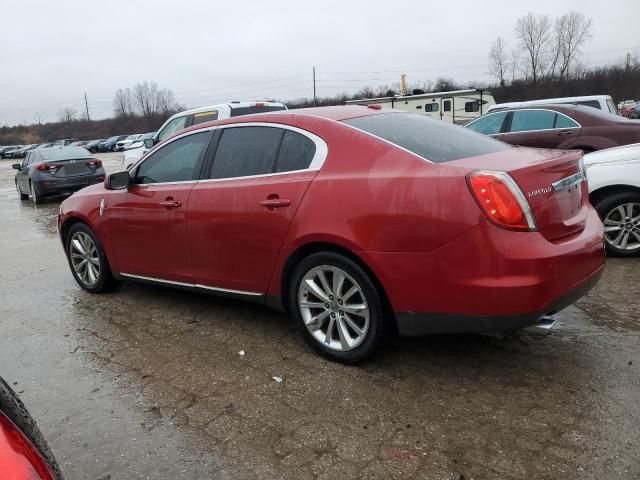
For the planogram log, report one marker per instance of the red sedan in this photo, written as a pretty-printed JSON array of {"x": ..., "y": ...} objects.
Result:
[{"x": 357, "y": 221}]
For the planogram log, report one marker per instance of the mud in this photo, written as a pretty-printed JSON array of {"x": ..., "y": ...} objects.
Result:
[{"x": 148, "y": 382}]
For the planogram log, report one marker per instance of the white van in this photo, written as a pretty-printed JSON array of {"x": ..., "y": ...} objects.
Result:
[
  {"x": 195, "y": 116},
  {"x": 601, "y": 102}
]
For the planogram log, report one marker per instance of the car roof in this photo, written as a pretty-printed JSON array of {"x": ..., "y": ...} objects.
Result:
[{"x": 228, "y": 104}]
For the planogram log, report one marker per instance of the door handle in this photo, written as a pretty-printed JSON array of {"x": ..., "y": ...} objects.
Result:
[
  {"x": 169, "y": 203},
  {"x": 565, "y": 132},
  {"x": 275, "y": 203}
]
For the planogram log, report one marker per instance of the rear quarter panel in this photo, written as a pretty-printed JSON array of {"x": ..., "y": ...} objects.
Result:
[{"x": 371, "y": 196}]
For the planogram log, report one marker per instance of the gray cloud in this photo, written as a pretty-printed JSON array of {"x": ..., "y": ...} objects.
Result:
[{"x": 207, "y": 52}]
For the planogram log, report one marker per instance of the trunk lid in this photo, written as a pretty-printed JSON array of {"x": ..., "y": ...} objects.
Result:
[{"x": 552, "y": 181}]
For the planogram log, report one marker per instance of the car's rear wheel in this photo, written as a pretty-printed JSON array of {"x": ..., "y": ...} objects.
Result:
[
  {"x": 87, "y": 259},
  {"x": 35, "y": 196},
  {"x": 338, "y": 308},
  {"x": 620, "y": 214},
  {"x": 23, "y": 196}
]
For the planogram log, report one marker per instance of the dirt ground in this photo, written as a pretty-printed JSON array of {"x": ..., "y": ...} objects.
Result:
[{"x": 148, "y": 382}]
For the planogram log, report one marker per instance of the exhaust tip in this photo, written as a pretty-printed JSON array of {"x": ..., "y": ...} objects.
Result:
[{"x": 543, "y": 327}]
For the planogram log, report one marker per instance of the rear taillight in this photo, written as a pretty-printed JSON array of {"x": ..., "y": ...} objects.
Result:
[
  {"x": 19, "y": 459},
  {"x": 501, "y": 200},
  {"x": 47, "y": 167},
  {"x": 95, "y": 163}
]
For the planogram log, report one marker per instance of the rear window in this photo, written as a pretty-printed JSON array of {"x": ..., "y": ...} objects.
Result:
[
  {"x": 433, "y": 140},
  {"x": 238, "y": 111}
]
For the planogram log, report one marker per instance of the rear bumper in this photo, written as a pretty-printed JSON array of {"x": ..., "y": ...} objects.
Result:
[
  {"x": 489, "y": 279},
  {"x": 413, "y": 324},
  {"x": 70, "y": 184}
]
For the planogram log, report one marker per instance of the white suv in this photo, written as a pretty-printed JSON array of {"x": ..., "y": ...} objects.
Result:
[
  {"x": 200, "y": 115},
  {"x": 614, "y": 190}
]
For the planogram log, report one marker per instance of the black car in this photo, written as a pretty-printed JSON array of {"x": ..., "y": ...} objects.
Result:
[
  {"x": 92, "y": 146},
  {"x": 56, "y": 170},
  {"x": 22, "y": 152},
  {"x": 5, "y": 151},
  {"x": 109, "y": 145}
]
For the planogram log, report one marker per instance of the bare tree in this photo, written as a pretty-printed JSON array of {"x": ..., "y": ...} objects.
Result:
[
  {"x": 572, "y": 30},
  {"x": 145, "y": 96},
  {"x": 166, "y": 102},
  {"x": 122, "y": 103},
  {"x": 498, "y": 60},
  {"x": 534, "y": 34},
  {"x": 67, "y": 114},
  {"x": 445, "y": 85},
  {"x": 38, "y": 118},
  {"x": 514, "y": 63}
]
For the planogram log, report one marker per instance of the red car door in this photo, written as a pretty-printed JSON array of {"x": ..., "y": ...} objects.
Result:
[
  {"x": 534, "y": 128},
  {"x": 146, "y": 224},
  {"x": 238, "y": 218}
]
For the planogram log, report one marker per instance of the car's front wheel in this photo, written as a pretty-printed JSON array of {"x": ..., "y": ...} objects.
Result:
[
  {"x": 88, "y": 260},
  {"x": 620, "y": 214},
  {"x": 338, "y": 308}
]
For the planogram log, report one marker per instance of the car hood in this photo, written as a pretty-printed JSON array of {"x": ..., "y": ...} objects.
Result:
[{"x": 626, "y": 153}]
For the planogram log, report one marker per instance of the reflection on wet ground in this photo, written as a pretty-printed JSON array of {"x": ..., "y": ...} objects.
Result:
[{"x": 148, "y": 382}]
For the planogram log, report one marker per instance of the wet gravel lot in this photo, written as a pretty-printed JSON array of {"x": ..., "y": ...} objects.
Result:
[{"x": 148, "y": 382}]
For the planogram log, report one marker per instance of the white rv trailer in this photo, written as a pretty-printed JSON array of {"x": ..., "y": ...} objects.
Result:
[{"x": 458, "y": 106}]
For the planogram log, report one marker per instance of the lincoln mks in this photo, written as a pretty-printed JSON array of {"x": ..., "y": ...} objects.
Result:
[{"x": 358, "y": 221}]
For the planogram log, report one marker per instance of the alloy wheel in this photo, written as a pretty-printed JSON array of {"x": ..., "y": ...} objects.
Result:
[
  {"x": 334, "y": 308},
  {"x": 84, "y": 258},
  {"x": 622, "y": 226}
]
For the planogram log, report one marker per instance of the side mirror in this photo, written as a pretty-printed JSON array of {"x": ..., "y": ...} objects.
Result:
[
  {"x": 117, "y": 181},
  {"x": 16, "y": 166},
  {"x": 149, "y": 142}
]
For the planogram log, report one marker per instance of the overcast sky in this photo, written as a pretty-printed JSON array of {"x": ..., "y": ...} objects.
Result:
[{"x": 51, "y": 53}]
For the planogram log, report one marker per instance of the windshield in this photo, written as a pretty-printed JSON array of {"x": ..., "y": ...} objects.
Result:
[{"x": 431, "y": 139}]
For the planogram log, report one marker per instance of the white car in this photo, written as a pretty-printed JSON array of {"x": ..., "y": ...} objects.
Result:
[
  {"x": 614, "y": 190},
  {"x": 199, "y": 115},
  {"x": 125, "y": 142}
]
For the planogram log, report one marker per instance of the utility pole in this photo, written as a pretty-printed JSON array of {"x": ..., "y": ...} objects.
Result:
[
  {"x": 315, "y": 103},
  {"x": 628, "y": 60},
  {"x": 86, "y": 105}
]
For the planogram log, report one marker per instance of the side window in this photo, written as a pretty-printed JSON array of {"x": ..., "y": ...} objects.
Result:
[
  {"x": 562, "y": 121},
  {"x": 202, "y": 117},
  {"x": 590, "y": 103},
  {"x": 446, "y": 105},
  {"x": 526, "y": 120},
  {"x": 174, "y": 162},
  {"x": 489, "y": 124},
  {"x": 245, "y": 151},
  {"x": 431, "y": 107},
  {"x": 296, "y": 152},
  {"x": 473, "y": 106},
  {"x": 612, "y": 106},
  {"x": 172, "y": 127}
]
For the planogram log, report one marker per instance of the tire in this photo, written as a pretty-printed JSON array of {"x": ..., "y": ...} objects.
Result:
[
  {"x": 91, "y": 269},
  {"x": 15, "y": 410},
  {"x": 371, "y": 320},
  {"x": 35, "y": 196},
  {"x": 23, "y": 196},
  {"x": 620, "y": 213},
  {"x": 113, "y": 148}
]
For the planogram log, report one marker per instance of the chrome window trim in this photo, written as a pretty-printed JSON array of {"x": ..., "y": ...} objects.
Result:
[
  {"x": 191, "y": 285},
  {"x": 319, "y": 157},
  {"x": 542, "y": 129}
]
